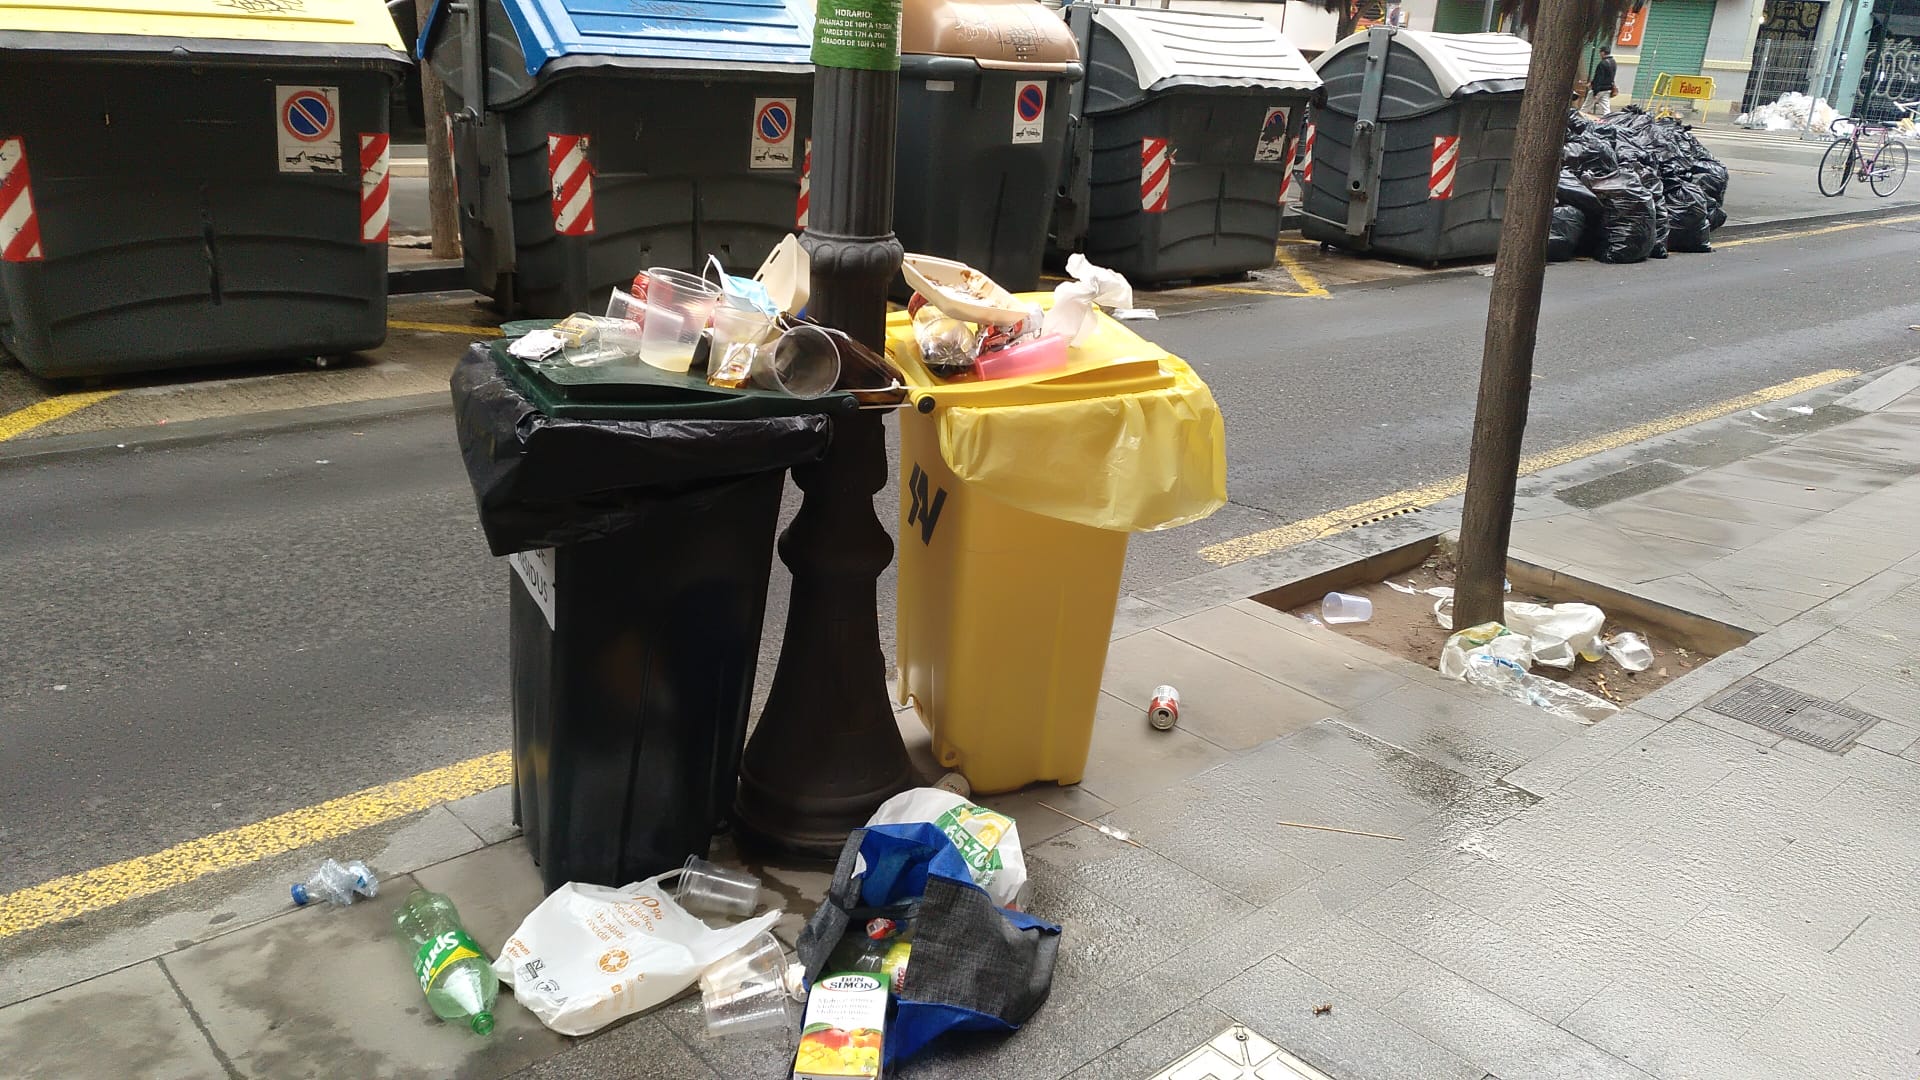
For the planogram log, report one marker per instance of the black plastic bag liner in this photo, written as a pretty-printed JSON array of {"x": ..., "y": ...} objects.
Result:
[
  {"x": 1566, "y": 234},
  {"x": 543, "y": 481},
  {"x": 1573, "y": 192},
  {"x": 1627, "y": 219},
  {"x": 1712, "y": 177}
]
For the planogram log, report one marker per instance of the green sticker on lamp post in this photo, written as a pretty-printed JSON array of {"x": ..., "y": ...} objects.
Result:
[{"x": 863, "y": 34}]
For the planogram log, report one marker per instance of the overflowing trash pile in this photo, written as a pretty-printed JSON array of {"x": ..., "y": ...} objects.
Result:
[
  {"x": 920, "y": 934},
  {"x": 968, "y": 327},
  {"x": 1791, "y": 112},
  {"x": 1633, "y": 187}
]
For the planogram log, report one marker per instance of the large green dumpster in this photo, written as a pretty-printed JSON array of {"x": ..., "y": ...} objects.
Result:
[{"x": 191, "y": 183}]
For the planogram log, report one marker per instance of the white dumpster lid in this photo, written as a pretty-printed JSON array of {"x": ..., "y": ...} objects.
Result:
[
  {"x": 1188, "y": 48},
  {"x": 1469, "y": 63}
]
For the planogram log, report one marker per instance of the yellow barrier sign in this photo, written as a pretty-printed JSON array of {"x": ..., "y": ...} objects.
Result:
[{"x": 1692, "y": 87}]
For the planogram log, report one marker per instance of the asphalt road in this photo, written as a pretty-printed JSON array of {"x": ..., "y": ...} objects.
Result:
[{"x": 199, "y": 638}]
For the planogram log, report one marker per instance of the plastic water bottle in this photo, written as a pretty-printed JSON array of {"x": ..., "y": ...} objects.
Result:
[
  {"x": 337, "y": 884},
  {"x": 455, "y": 975}
]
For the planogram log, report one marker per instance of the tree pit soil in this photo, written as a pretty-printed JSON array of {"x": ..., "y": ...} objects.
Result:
[{"x": 1405, "y": 626}]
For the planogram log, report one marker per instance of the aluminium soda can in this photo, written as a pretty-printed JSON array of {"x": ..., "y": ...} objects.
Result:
[{"x": 1164, "y": 710}]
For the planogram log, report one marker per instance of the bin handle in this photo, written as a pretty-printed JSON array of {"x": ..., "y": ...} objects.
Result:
[{"x": 1053, "y": 67}]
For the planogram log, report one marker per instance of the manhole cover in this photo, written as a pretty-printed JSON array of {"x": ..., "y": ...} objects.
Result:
[
  {"x": 1828, "y": 725},
  {"x": 1239, "y": 1053}
]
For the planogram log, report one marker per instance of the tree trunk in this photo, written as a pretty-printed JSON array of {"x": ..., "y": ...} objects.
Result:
[
  {"x": 443, "y": 198},
  {"x": 1513, "y": 316}
]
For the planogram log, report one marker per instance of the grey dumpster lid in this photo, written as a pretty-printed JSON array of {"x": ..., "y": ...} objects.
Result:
[
  {"x": 1461, "y": 63},
  {"x": 722, "y": 34},
  {"x": 1191, "y": 48}
]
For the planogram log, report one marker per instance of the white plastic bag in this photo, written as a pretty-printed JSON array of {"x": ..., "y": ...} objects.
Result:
[
  {"x": 988, "y": 842},
  {"x": 1073, "y": 301},
  {"x": 1559, "y": 633},
  {"x": 1487, "y": 639},
  {"x": 589, "y": 955}
]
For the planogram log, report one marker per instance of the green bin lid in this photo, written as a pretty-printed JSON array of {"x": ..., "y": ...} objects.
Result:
[{"x": 640, "y": 392}]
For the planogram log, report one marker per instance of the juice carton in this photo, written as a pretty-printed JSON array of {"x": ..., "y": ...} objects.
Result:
[{"x": 842, "y": 1036}]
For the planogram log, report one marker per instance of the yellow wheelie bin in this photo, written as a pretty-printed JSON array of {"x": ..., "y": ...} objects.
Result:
[{"x": 1017, "y": 496}]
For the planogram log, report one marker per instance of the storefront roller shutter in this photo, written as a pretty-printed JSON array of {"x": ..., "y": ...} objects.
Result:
[
  {"x": 1458, "y": 17},
  {"x": 1676, "y": 41}
]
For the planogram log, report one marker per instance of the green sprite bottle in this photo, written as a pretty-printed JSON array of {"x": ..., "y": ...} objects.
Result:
[{"x": 456, "y": 976}]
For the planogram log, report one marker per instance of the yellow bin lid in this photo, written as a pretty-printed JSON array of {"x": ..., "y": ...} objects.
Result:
[{"x": 320, "y": 22}]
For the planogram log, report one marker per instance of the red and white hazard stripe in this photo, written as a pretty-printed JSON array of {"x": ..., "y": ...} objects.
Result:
[
  {"x": 1286, "y": 169},
  {"x": 806, "y": 188},
  {"x": 1446, "y": 159},
  {"x": 19, "y": 227},
  {"x": 374, "y": 204},
  {"x": 571, "y": 172},
  {"x": 1156, "y": 175},
  {"x": 1306, "y": 153}
]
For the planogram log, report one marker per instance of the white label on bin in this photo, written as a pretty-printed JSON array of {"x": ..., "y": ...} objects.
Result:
[
  {"x": 773, "y": 121},
  {"x": 307, "y": 121},
  {"x": 940, "y": 86},
  {"x": 535, "y": 569},
  {"x": 1029, "y": 111},
  {"x": 1273, "y": 136}
]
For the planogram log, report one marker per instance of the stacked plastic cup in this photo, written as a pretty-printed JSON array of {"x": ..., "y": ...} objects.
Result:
[{"x": 750, "y": 991}]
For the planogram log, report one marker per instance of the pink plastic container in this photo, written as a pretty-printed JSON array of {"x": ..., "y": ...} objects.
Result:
[{"x": 1036, "y": 357}]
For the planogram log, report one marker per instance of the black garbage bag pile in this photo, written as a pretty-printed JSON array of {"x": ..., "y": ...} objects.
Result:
[{"x": 1641, "y": 185}]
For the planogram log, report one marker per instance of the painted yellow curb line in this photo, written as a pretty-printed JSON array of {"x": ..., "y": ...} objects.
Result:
[
  {"x": 91, "y": 890},
  {"x": 444, "y": 328},
  {"x": 1240, "y": 549},
  {"x": 44, "y": 412}
]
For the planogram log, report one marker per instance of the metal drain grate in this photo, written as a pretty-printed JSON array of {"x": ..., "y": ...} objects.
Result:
[
  {"x": 1828, "y": 725},
  {"x": 1239, "y": 1053}
]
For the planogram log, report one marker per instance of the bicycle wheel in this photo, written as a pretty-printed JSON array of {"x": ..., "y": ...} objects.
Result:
[
  {"x": 1889, "y": 168},
  {"x": 1836, "y": 167}
]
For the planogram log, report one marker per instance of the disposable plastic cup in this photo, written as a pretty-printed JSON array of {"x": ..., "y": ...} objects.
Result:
[
  {"x": 624, "y": 305},
  {"x": 1339, "y": 607},
  {"x": 804, "y": 362},
  {"x": 746, "y": 1010},
  {"x": 737, "y": 335},
  {"x": 706, "y": 886},
  {"x": 678, "y": 307},
  {"x": 1630, "y": 651},
  {"x": 761, "y": 960}
]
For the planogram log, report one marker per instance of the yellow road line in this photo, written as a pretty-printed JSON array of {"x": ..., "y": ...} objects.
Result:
[
  {"x": 444, "y": 328},
  {"x": 1822, "y": 231},
  {"x": 1240, "y": 549},
  {"x": 47, "y": 411},
  {"x": 91, "y": 890},
  {"x": 1301, "y": 276}
]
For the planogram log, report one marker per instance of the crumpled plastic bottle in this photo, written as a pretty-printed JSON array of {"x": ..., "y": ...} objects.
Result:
[{"x": 337, "y": 884}]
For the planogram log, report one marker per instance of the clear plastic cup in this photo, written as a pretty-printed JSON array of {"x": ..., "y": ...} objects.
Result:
[
  {"x": 706, "y": 886},
  {"x": 738, "y": 334},
  {"x": 678, "y": 307},
  {"x": 1630, "y": 651},
  {"x": 804, "y": 362},
  {"x": 745, "y": 1010},
  {"x": 1339, "y": 607},
  {"x": 760, "y": 960},
  {"x": 624, "y": 305}
]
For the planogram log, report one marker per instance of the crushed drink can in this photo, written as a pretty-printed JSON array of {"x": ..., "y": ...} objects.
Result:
[{"x": 1164, "y": 710}]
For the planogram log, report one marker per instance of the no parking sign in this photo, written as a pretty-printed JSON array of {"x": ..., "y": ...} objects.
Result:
[
  {"x": 773, "y": 122},
  {"x": 307, "y": 128},
  {"x": 1029, "y": 112}
]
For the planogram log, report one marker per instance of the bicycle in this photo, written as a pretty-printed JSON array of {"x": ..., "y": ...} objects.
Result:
[{"x": 1884, "y": 171}]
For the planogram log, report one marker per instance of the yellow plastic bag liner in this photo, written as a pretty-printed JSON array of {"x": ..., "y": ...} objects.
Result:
[
  {"x": 352, "y": 22},
  {"x": 1125, "y": 437}
]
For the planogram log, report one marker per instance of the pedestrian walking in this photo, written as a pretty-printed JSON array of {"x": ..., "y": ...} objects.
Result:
[{"x": 1600, "y": 87}]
